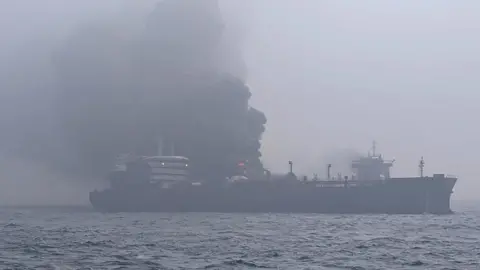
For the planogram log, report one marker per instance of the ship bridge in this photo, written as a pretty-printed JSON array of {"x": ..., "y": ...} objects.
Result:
[{"x": 372, "y": 167}]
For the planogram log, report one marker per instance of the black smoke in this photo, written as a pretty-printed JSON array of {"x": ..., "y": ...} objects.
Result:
[{"x": 176, "y": 78}]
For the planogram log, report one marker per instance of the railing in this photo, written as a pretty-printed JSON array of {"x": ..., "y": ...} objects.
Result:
[
  {"x": 351, "y": 183},
  {"x": 169, "y": 171}
]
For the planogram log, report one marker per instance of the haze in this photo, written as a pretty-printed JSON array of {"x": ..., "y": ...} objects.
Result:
[{"x": 331, "y": 76}]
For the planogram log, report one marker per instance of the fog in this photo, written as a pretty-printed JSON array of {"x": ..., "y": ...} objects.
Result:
[
  {"x": 329, "y": 76},
  {"x": 402, "y": 73}
]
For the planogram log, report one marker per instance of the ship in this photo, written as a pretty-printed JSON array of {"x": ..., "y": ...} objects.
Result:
[{"x": 164, "y": 184}]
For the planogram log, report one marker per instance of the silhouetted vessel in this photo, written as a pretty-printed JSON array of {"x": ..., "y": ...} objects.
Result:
[{"x": 163, "y": 184}]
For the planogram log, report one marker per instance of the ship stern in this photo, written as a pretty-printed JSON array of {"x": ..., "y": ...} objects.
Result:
[{"x": 95, "y": 198}]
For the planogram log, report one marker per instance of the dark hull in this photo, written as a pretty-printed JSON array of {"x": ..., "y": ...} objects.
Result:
[{"x": 395, "y": 196}]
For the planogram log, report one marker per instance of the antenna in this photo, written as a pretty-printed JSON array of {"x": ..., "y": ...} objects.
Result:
[
  {"x": 421, "y": 165},
  {"x": 159, "y": 146},
  {"x": 329, "y": 166}
]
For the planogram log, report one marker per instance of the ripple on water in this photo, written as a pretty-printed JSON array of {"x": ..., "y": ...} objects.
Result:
[{"x": 34, "y": 239}]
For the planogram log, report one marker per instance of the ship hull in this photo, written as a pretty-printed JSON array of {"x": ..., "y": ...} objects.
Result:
[{"x": 395, "y": 196}]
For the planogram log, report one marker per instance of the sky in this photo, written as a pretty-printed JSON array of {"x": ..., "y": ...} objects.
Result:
[
  {"x": 339, "y": 74},
  {"x": 330, "y": 75}
]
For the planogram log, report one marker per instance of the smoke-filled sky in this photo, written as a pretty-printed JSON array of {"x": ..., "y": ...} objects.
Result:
[{"x": 331, "y": 76}]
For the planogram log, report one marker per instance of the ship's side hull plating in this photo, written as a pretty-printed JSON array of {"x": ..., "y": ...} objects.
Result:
[{"x": 395, "y": 196}]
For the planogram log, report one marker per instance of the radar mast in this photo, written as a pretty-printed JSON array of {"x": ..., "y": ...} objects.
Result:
[{"x": 421, "y": 165}]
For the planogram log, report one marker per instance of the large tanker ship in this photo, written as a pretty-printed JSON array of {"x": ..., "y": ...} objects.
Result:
[{"x": 164, "y": 184}]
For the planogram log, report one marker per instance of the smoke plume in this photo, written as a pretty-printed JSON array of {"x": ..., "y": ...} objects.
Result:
[{"x": 115, "y": 89}]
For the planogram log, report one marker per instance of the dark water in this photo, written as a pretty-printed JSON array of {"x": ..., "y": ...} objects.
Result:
[{"x": 81, "y": 239}]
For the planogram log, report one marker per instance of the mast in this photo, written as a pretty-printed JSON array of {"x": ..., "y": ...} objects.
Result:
[
  {"x": 329, "y": 166},
  {"x": 421, "y": 165},
  {"x": 159, "y": 146}
]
